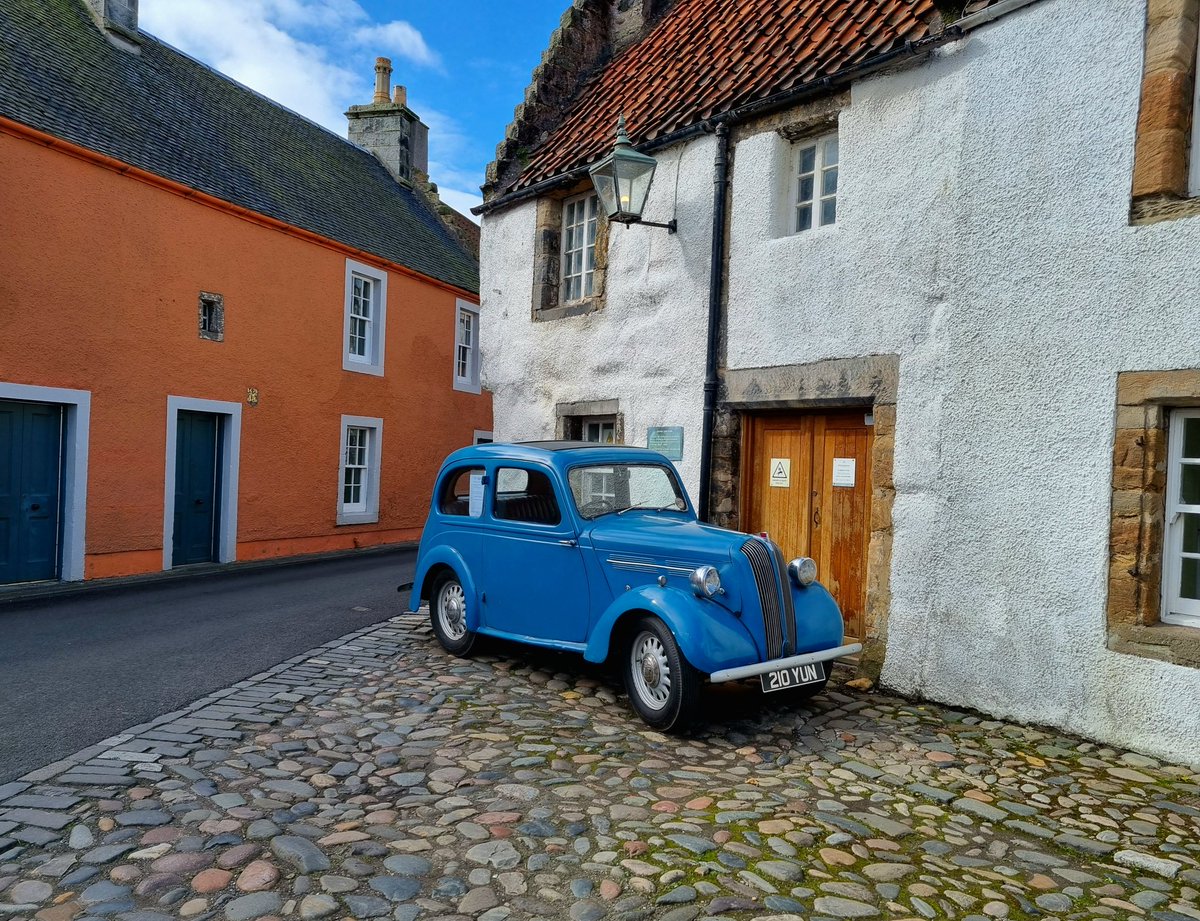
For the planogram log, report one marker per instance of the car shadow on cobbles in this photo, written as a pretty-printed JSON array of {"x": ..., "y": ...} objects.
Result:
[{"x": 378, "y": 777}]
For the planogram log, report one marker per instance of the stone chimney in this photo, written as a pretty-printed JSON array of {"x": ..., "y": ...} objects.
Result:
[
  {"x": 119, "y": 20},
  {"x": 388, "y": 127}
]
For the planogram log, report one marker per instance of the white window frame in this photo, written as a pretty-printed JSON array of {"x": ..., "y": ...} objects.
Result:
[
  {"x": 587, "y": 273},
  {"x": 467, "y": 382},
  {"x": 600, "y": 421},
  {"x": 820, "y": 169},
  {"x": 366, "y": 511},
  {"x": 372, "y": 362},
  {"x": 1176, "y": 609}
]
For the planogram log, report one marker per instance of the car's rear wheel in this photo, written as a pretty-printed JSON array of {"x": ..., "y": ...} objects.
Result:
[
  {"x": 663, "y": 686},
  {"x": 448, "y": 614}
]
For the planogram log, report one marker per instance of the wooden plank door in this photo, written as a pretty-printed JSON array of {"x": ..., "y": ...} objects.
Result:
[
  {"x": 818, "y": 503},
  {"x": 30, "y": 477},
  {"x": 196, "y": 471}
]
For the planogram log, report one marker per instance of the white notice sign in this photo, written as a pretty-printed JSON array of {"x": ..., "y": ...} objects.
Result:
[
  {"x": 781, "y": 471},
  {"x": 475, "y": 497},
  {"x": 843, "y": 471}
]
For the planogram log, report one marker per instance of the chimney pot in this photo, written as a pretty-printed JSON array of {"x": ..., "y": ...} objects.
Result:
[
  {"x": 389, "y": 129},
  {"x": 383, "y": 81}
]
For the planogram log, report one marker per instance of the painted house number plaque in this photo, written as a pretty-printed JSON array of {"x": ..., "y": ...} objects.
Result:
[
  {"x": 781, "y": 471},
  {"x": 843, "y": 471}
]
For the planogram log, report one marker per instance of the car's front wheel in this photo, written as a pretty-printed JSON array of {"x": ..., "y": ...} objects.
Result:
[
  {"x": 663, "y": 686},
  {"x": 448, "y": 614}
]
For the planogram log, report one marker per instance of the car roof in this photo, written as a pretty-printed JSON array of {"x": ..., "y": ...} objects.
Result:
[{"x": 559, "y": 454}]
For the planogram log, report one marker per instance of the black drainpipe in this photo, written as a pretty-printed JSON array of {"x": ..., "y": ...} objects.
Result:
[{"x": 716, "y": 285}]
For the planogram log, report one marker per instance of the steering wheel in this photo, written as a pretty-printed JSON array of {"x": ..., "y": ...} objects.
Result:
[{"x": 596, "y": 507}]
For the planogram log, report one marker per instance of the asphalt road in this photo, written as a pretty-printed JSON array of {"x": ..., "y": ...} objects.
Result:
[{"x": 78, "y": 669}]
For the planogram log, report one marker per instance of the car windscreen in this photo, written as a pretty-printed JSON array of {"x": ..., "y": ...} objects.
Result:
[{"x": 599, "y": 489}]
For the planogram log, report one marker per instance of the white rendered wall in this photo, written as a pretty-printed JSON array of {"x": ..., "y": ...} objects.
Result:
[
  {"x": 645, "y": 348},
  {"x": 983, "y": 235}
]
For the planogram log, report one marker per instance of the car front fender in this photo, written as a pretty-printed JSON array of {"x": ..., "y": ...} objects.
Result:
[
  {"x": 445, "y": 556},
  {"x": 819, "y": 623},
  {"x": 710, "y": 636}
]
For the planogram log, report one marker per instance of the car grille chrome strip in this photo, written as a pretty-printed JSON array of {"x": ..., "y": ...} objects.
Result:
[
  {"x": 763, "y": 567},
  {"x": 645, "y": 566},
  {"x": 789, "y": 605}
]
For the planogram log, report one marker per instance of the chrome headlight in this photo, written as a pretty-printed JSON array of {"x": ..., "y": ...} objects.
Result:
[
  {"x": 706, "y": 581},
  {"x": 803, "y": 570}
]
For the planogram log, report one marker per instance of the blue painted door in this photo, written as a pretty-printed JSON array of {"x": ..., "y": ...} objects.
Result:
[
  {"x": 30, "y": 478},
  {"x": 197, "y": 443},
  {"x": 535, "y": 582}
]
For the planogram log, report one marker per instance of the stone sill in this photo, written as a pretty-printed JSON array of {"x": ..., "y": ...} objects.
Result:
[
  {"x": 579, "y": 308},
  {"x": 1158, "y": 208},
  {"x": 1165, "y": 642}
]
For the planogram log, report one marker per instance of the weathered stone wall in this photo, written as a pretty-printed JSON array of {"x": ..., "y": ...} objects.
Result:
[{"x": 589, "y": 34}]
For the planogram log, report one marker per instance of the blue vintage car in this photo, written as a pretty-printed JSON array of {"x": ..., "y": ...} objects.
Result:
[{"x": 597, "y": 550}]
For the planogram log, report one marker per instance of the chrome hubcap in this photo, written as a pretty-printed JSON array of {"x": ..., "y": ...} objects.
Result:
[
  {"x": 651, "y": 671},
  {"x": 452, "y": 611}
]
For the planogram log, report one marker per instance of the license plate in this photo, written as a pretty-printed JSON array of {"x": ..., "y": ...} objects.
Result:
[{"x": 795, "y": 677}]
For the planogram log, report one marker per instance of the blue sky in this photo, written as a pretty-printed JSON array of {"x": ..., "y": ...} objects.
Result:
[{"x": 465, "y": 64}]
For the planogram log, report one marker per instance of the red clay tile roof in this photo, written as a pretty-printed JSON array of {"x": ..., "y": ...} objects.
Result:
[{"x": 707, "y": 56}]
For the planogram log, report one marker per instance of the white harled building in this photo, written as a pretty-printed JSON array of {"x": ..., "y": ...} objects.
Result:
[{"x": 952, "y": 290}]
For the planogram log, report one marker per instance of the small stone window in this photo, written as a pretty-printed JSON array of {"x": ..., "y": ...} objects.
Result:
[
  {"x": 1151, "y": 550},
  {"x": 570, "y": 256},
  {"x": 212, "y": 316},
  {"x": 815, "y": 181},
  {"x": 597, "y": 421}
]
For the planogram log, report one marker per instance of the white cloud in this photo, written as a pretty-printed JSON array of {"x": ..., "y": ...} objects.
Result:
[{"x": 398, "y": 38}]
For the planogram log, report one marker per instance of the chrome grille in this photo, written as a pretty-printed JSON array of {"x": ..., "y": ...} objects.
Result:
[
  {"x": 764, "y": 559},
  {"x": 789, "y": 605}
]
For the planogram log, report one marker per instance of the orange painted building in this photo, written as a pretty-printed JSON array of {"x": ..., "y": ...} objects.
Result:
[{"x": 226, "y": 335}]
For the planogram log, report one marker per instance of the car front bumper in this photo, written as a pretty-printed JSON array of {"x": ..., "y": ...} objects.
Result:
[{"x": 760, "y": 668}]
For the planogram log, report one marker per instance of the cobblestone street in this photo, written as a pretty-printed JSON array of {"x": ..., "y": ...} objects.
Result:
[{"x": 378, "y": 777}]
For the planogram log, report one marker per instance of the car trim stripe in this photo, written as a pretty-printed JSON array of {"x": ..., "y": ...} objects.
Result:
[{"x": 643, "y": 566}]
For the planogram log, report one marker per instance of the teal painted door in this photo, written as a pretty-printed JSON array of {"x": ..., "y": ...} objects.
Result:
[
  {"x": 196, "y": 488},
  {"x": 30, "y": 474}
]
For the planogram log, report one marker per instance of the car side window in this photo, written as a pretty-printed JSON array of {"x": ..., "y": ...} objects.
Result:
[
  {"x": 456, "y": 492},
  {"x": 525, "y": 495}
]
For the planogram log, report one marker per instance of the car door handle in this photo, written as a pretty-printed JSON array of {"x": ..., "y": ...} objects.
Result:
[
  {"x": 199, "y": 502},
  {"x": 569, "y": 542},
  {"x": 35, "y": 507}
]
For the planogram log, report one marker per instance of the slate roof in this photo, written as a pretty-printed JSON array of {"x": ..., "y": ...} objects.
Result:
[
  {"x": 166, "y": 113},
  {"x": 705, "y": 57}
]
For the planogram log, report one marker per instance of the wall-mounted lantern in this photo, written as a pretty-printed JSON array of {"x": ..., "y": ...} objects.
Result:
[{"x": 622, "y": 180}]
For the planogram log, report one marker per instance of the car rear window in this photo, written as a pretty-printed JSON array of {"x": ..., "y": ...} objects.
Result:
[
  {"x": 456, "y": 491},
  {"x": 525, "y": 495}
]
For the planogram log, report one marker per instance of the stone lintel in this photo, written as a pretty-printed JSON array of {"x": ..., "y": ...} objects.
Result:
[{"x": 835, "y": 382}]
